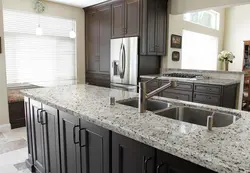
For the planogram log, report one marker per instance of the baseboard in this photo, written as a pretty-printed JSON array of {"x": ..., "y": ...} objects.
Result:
[{"x": 5, "y": 128}]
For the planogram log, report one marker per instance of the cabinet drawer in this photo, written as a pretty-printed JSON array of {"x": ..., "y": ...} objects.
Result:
[
  {"x": 207, "y": 99},
  {"x": 153, "y": 83},
  {"x": 177, "y": 94},
  {"x": 180, "y": 85},
  {"x": 215, "y": 89}
]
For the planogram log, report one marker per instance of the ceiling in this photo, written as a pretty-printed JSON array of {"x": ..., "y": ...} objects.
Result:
[{"x": 79, "y": 3}]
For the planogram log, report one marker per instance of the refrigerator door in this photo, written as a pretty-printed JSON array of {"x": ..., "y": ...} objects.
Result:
[{"x": 124, "y": 61}]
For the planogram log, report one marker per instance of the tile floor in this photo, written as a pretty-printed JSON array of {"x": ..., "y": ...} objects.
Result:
[{"x": 13, "y": 151}]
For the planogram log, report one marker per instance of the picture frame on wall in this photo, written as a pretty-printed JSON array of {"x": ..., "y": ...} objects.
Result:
[
  {"x": 175, "y": 56},
  {"x": 176, "y": 41}
]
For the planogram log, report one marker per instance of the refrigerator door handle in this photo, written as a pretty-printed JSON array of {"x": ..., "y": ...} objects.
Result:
[{"x": 122, "y": 61}]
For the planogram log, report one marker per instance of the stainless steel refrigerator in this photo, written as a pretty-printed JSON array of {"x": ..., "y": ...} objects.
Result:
[{"x": 124, "y": 63}]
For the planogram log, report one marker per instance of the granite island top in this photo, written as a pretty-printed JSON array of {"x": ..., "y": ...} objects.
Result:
[
  {"x": 211, "y": 81},
  {"x": 223, "y": 150}
]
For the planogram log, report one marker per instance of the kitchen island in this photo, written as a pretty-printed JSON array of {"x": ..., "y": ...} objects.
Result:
[{"x": 222, "y": 150}]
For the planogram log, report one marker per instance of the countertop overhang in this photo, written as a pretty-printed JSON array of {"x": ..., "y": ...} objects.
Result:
[
  {"x": 224, "y": 150},
  {"x": 210, "y": 81}
]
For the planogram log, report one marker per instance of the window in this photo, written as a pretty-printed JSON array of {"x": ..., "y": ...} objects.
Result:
[
  {"x": 199, "y": 51},
  {"x": 210, "y": 18},
  {"x": 49, "y": 58}
]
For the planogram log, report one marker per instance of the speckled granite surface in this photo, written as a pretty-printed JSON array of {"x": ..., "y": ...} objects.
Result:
[
  {"x": 224, "y": 150},
  {"x": 201, "y": 81}
]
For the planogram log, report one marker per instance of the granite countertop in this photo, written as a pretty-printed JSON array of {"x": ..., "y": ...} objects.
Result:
[
  {"x": 224, "y": 150},
  {"x": 198, "y": 81}
]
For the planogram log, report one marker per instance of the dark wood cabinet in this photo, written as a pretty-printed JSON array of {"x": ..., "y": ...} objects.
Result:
[
  {"x": 125, "y": 18},
  {"x": 118, "y": 19},
  {"x": 28, "y": 121},
  {"x": 45, "y": 143},
  {"x": 98, "y": 34},
  {"x": 69, "y": 142},
  {"x": 95, "y": 148},
  {"x": 178, "y": 94},
  {"x": 129, "y": 156},
  {"x": 153, "y": 19},
  {"x": 167, "y": 163},
  {"x": 38, "y": 137},
  {"x": 49, "y": 122},
  {"x": 131, "y": 18}
]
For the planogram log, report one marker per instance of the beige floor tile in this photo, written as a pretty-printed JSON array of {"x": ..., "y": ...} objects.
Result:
[
  {"x": 14, "y": 157},
  {"x": 12, "y": 146},
  {"x": 16, "y": 134},
  {"x": 8, "y": 169}
]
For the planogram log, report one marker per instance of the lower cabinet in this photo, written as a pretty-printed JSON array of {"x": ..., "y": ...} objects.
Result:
[
  {"x": 129, "y": 156},
  {"x": 167, "y": 163},
  {"x": 59, "y": 142}
]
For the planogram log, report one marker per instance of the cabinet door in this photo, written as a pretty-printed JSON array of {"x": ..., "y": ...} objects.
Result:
[
  {"x": 69, "y": 141},
  {"x": 28, "y": 122},
  {"x": 152, "y": 37},
  {"x": 131, "y": 18},
  {"x": 104, "y": 39},
  {"x": 118, "y": 28},
  {"x": 37, "y": 136},
  {"x": 167, "y": 163},
  {"x": 49, "y": 120},
  {"x": 161, "y": 17},
  {"x": 92, "y": 40},
  {"x": 129, "y": 156},
  {"x": 95, "y": 148}
]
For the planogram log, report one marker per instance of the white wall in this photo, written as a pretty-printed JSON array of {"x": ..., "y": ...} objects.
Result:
[
  {"x": 4, "y": 114},
  {"x": 52, "y": 9},
  {"x": 237, "y": 30},
  {"x": 183, "y": 6},
  {"x": 177, "y": 25}
]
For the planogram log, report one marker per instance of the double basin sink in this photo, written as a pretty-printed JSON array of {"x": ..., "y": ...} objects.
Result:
[{"x": 186, "y": 114}]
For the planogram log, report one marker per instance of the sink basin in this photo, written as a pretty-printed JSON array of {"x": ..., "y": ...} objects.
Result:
[
  {"x": 198, "y": 116},
  {"x": 151, "y": 105}
]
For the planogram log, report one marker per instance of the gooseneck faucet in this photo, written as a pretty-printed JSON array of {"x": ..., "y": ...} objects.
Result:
[{"x": 143, "y": 96}]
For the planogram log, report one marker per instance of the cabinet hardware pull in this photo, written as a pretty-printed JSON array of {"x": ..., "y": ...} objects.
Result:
[
  {"x": 74, "y": 134},
  {"x": 38, "y": 115},
  {"x": 146, "y": 164},
  {"x": 80, "y": 137},
  {"x": 159, "y": 167},
  {"x": 42, "y": 120}
]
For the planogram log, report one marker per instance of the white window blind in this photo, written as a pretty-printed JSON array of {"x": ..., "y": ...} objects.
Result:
[{"x": 49, "y": 58}]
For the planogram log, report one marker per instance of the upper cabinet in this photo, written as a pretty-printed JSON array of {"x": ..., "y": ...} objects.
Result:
[
  {"x": 98, "y": 35},
  {"x": 153, "y": 21},
  {"x": 125, "y": 18}
]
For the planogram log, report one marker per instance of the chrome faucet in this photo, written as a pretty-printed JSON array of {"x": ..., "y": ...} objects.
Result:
[{"x": 143, "y": 96}]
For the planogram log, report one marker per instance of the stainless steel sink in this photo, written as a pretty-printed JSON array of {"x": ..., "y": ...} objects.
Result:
[
  {"x": 151, "y": 105},
  {"x": 198, "y": 116}
]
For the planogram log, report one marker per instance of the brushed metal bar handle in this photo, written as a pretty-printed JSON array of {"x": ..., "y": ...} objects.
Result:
[
  {"x": 38, "y": 116},
  {"x": 159, "y": 167},
  {"x": 80, "y": 137},
  {"x": 146, "y": 164},
  {"x": 74, "y": 134},
  {"x": 42, "y": 120}
]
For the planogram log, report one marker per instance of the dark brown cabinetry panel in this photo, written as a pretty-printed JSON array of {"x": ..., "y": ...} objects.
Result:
[
  {"x": 95, "y": 148},
  {"x": 28, "y": 121},
  {"x": 125, "y": 18},
  {"x": 69, "y": 139},
  {"x": 50, "y": 118},
  {"x": 98, "y": 35},
  {"x": 129, "y": 156},
  {"x": 38, "y": 137},
  {"x": 131, "y": 18},
  {"x": 118, "y": 18},
  {"x": 104, "y": 14},
  {"x": 167, "y": 163},
  {"x": 153, "y": 19},
  {"x": 102, "y": 80},
  {"x": 178, "y": 94}
]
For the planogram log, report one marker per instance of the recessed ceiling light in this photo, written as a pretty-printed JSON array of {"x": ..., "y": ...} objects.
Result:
[{"x": 79, "y": 3}]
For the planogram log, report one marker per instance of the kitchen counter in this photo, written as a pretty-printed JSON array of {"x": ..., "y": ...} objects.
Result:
[
  {"x": 224, "y": 150},
  {"x": 211, "y": 81}
]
